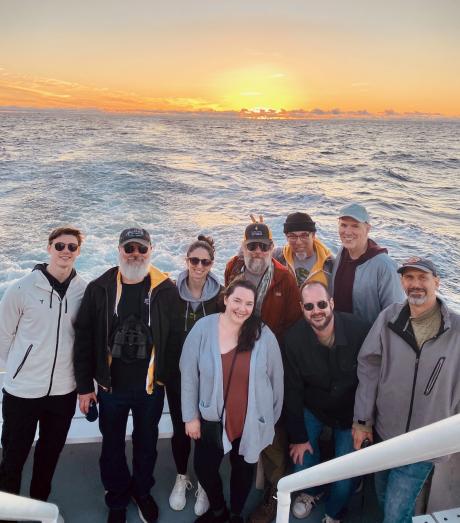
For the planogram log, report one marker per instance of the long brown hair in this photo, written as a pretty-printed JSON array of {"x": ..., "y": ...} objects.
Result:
[{"x": 252, "y": 327}]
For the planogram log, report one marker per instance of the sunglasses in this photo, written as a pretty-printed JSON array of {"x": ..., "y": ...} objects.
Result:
[
  {"x": 323, "y": 304},
  {"x": 129, "y": 248},
  {"x": 206, "y": 262},
  {"x": 60, "y": 246},
  {"x": 264, "y": 247}
]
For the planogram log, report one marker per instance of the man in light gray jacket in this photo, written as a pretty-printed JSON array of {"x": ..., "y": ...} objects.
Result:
[
  {"x": 364, "y": 279},
  {"x": 37, "y": 315},
  {"x": 408, "y": 370}
]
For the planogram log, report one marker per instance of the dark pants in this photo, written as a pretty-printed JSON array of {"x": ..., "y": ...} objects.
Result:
[
  {"x": 207, "y": 461},
  {"x": 275, "y": 456},
  {"x": 53, "y": 414},
  {"x": 180, "y": 442},
  {"x": 113, "y": 417}
]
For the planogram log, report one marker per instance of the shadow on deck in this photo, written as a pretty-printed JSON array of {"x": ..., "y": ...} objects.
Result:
[{"x": 79, "y": 494}]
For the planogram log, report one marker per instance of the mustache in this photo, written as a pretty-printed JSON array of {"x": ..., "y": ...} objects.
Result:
[{"x": 416, "y": 289}]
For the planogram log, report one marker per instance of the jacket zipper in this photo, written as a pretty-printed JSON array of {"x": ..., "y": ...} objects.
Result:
[
  {"x": 29, "y": 348},
  {"x": 57, "y": 346},
  {"x": 413, "y": 391}
]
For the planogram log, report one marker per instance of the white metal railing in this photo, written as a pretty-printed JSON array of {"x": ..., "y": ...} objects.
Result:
[
  {"x": 17, "y": 508},
  {"x": 433, "y": 441}
]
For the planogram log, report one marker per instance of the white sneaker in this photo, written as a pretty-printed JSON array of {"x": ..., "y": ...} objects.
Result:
[
  {"x": 303, "y": 505},
  {"x": 202, "y": 501},
  {"x": 328, "y": 519},
  {"x": 177, "y": 498}
]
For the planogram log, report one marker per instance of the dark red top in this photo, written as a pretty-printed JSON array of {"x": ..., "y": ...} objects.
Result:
[{"x": 237, "y": 399}]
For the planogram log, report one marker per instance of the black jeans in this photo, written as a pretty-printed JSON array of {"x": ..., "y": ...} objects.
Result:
[
  {"x": 180, "y": 442},
  {"x": 113, "y": 417},
  {"x": 207, "y": 461},
  {"x": 53, "y": 414}
]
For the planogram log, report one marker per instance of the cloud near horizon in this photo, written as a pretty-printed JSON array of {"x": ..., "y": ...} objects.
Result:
[{"x": 30, "y": 92}]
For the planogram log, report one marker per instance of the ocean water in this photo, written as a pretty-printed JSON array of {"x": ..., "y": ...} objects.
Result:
[{"x": 178, "y": 176}]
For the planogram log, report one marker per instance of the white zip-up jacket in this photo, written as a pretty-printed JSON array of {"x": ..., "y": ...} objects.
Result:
[{"x": 37, "y": 336}]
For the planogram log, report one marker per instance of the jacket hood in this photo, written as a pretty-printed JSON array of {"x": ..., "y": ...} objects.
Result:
[{"x": 210, "y": 290}]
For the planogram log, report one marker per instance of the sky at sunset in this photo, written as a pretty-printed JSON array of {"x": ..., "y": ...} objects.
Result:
[{"x": 293, "y": 58}]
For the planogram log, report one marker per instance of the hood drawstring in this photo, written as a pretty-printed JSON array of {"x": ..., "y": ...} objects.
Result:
[
  {"x": 65, "y": 311},
  {"x": 186, "y": 317},
  {"x": 51, "y": 298},
  {"x": 149, "y": 295},
  {"x": 204, "y": 310}
]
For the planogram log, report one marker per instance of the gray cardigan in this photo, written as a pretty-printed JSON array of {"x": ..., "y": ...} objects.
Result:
[
  {"x": 376, "y": 286},
  {"x": 202, "y": 385}
]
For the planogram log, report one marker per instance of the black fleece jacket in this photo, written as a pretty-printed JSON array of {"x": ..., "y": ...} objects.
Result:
[
  {"x": 320, "y": 378},
  {"x": 95, "y": 321}
]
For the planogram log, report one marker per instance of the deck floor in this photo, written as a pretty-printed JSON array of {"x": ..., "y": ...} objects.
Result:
[{"x": 78, "y": 492}]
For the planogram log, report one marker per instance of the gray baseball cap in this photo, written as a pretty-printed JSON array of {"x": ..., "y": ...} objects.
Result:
[
  {"x": 422, "y": 264},
  {"x": 136, "y": 235},
  {"x": 356, "y": 211}
]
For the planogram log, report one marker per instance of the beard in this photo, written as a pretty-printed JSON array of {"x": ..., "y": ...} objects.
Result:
[
  {"x": 256, "y": 265},
  {"x": 416, "y": 296},
  {"x": 301, "y": 255},
  {"x": 326, "y": 319},
  {"x": 135, "y": 270}
]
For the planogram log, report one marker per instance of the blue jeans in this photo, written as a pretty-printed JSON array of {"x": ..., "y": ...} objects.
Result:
[
  {"x": 340, "y": 491},
  {"x": 113, "y": 417},
  {"x": 397, "y": 490}
]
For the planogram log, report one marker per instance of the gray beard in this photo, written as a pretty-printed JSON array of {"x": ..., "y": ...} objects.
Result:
[
  {"x": 134, "y": 271},
  {"x": 256, "y": 265},
  {"x": 417, "y": 301}
]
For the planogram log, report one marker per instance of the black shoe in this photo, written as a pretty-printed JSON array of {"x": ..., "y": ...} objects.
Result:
[
  {"x": 210, "y": 516},
  {"x": 117, "y": 515},
  {"x": 147, "y": 508}
]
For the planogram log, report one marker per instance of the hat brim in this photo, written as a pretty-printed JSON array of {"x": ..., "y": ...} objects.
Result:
[
  {"x": 414, "y": 266},
  {"x": 357, "y": 218},
  {"x": 258, "y": 240},
  {"x": 140, "y": 241}
]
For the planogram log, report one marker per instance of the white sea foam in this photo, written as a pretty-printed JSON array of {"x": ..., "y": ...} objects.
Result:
[{"x": 181, "y": 176}]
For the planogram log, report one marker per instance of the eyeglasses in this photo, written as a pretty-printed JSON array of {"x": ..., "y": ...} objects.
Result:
[
  {"x": 129, "y": 248},
  {"x": 206, "y": 262},
  {"x": 60, "y": 246},
  {"x": 294, "y": 237},
  {"x": 323, "y": 304},
  {"x": 264, "y": 247}
]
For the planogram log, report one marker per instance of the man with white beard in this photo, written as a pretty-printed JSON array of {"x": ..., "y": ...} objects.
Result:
[
  {"x": 408, "y": 370},
  {"x": 124, "y": 341},
  {"x": 277, "y": 303}
]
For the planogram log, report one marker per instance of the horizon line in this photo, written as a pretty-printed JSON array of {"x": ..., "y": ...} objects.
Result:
[{"x": 267, "y": 114}]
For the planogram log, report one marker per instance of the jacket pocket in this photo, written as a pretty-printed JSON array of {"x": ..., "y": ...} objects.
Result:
[
  {"x": 434, "y": 376},
  {"x": 29, "y": 348}
]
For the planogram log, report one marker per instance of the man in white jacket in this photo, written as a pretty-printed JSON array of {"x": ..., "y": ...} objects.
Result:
[{"x": 36, "y": 349}]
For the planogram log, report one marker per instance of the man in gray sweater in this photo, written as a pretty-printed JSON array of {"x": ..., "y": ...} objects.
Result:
[{"x": 408, "y": 370}]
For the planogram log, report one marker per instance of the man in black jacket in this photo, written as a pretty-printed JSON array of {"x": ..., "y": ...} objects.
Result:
[
  {"x": 124, "y": 341},
  {"x": 320, "y": 379}
]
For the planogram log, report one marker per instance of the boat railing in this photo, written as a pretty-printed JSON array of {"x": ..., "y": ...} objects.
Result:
[
  {"x": 429, "y": 442},
  {"x": 18, "y": 508}
]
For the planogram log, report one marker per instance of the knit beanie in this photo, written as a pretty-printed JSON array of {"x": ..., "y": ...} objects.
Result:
[{"x": 299, "y": 221}]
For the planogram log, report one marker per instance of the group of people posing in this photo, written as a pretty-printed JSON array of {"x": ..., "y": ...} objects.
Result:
[{"x": 294, "y": 342}]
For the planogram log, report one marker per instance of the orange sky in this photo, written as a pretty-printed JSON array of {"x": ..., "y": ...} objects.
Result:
[{"x": 227, "y": 55}]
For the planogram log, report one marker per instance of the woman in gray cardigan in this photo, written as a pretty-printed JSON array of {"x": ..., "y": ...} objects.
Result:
[{"x": 233, "y": 356}]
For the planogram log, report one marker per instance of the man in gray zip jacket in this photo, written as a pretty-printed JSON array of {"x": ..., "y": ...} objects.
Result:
[
  {"x": 408, "y": 370},
  {"x": 37, "y": 315}
]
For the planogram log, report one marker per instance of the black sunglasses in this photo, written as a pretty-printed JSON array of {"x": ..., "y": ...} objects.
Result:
[
  {"x": 129, "y": 248},
  {"x": 323, "y": 304},
  {"x": 264, "y": 247},
  {"x": 60, "y": 246},
  {"x": 206, "y": 262}
]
